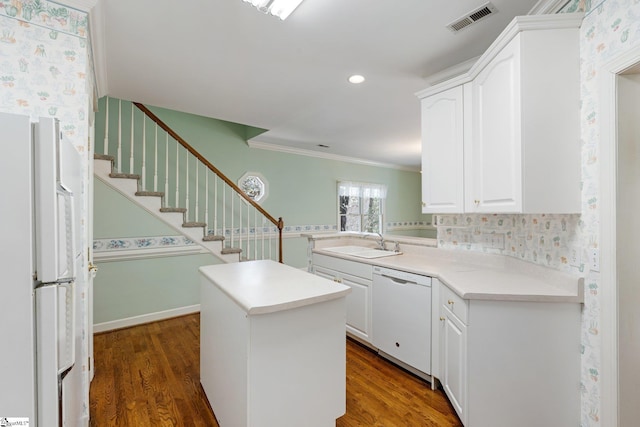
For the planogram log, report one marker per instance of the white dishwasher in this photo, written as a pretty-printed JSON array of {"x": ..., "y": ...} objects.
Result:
[{"x": 401, "y": 309}]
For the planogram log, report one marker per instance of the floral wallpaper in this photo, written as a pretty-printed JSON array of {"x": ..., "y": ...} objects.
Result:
[
  {"x": 540, "y": 239},
  {"x": 43, "y": 73},
  {"x": 128, "y": 243},
  {"x": 43, "y": 64},
  {"x": 610, "y": 28}
]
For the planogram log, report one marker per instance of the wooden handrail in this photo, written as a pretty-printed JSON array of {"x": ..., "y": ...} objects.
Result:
[{"x": 278, "y": 223}]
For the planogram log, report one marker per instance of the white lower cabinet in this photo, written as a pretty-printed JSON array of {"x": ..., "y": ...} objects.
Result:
[
  {"x": 454, "y": 361},
  {"x": 358, "y": 277},
  {"x": 509, "y": 363},
  {"x": 453, "y": 347}
]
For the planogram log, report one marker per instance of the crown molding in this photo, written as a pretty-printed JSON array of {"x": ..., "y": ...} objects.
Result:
[
  {"x": 327, "y": 156},
  {"x": 451, "y": 72}
]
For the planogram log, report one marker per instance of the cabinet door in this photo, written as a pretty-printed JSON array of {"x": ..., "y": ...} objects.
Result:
[
  {"x": 358, "y": 307},
  {"x": 358, "y": 301},
  {"x": 453, "y": 361},
  {"x": 442, "y": 152},
  {"x": 495, "y": 184}
]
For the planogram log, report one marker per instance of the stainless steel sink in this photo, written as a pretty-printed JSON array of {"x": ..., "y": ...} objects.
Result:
[{"x": 361, "y": 252}]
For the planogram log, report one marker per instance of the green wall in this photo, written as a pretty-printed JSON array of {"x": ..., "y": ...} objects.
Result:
[
  {"x": 115, "y": 216},
  {"x": 302, "y": 190},
  {"x": 132, "y": 288}
]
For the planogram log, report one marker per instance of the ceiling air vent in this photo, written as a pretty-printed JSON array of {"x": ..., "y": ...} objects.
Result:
[{"x": 472, "y": 17}]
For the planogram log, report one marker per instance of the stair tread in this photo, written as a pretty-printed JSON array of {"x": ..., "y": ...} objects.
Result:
[
  {"x": 179, "y": 210},
  {"x": 150, "y": 193},
  {"x": 226, "y": 251},
  {"x": 124, "y": 175},
  {"x": 194, "y": 224},
  {"x": 213, "y": 238},
  {"x": 103, "y": 157}
]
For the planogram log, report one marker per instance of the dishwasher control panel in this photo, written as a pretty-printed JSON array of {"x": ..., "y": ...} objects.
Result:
[{"x": 403, "y": 275}]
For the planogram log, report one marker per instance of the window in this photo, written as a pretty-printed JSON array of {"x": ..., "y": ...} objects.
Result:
[
  {"x": 254, "y": 185},
  {"x": 361, "y": 206}
]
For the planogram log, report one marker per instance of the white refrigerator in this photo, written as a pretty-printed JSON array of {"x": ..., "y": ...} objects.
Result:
[{"x": 40, "y": 382}]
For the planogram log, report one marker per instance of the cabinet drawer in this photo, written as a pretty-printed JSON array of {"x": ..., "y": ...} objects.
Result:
[
  {"x": 327, "y": 273},
  {"x": 454, "y": 303},
  {"x": 358, "y": 269}
]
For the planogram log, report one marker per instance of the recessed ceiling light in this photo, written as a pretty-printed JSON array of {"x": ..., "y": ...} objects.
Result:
[{"x": 356, "y": 79}]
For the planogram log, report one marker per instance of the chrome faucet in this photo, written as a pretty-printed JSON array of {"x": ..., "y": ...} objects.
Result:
[{"x": 381, "y": 242}]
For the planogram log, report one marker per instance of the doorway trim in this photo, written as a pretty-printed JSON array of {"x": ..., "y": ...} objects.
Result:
[{"x": 608, "y": 193}]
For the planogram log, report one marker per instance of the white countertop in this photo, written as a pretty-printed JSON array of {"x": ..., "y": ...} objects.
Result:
[
  {"x": 474, "y": 275},
  {"x": 266, "y": 286}
]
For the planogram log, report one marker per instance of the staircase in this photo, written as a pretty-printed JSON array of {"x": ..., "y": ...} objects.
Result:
[{"x": 151, "y": 165}]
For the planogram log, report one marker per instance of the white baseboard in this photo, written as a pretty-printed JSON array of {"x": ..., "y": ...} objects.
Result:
[{"x": 144, "y": 318}]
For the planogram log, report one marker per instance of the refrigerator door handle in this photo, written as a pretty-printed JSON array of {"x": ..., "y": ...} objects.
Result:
[
  {"x": 66, "y": 326},
  {"x": 54, "y": 208},
  {"x": 55, "y": 344},
  {"x": 69, "y": 219},
  {"x": 61, "y": 377}
]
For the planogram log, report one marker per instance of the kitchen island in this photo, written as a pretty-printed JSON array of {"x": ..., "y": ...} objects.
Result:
[{"x": 272, "y": 350}]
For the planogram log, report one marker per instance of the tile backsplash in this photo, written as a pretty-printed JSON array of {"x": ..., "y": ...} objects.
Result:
[{"x": 546, "y": 239}]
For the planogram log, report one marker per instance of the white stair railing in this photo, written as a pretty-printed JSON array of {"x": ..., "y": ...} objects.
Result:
[{"x": 190, "y": 181}]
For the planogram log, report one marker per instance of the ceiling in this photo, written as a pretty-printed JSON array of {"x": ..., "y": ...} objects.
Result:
[{"x": 224, "y": 59}]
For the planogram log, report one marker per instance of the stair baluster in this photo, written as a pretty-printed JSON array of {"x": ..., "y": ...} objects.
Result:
[
  {"x": 105, "y": 141},
  {"x": 119, "y": 165},
  {"x": 155, "y": 161},
  {"x": 197, "y": 208},
  {"x": 144, "y": 153},
  {"x": 131, "y": 139},
  {"x": 166, "y": 172},
  {"x": 240, "y": 225}
]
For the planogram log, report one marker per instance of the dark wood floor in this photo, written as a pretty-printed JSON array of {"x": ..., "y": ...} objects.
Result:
[{"x": 148, "y": 375}]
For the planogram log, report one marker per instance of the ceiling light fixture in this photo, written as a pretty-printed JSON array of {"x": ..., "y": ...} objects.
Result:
[
  {"x": 356, "y": 79},
  {"x": 279, "y": 8}
]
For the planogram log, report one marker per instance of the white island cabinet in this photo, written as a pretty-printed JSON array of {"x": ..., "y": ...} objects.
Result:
[{"x": 272, "y": 346}]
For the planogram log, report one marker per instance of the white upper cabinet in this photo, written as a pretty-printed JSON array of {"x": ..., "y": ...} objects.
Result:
[
  {"x": 520, "y": 125},
  {"x": 495, "y": 181},
  {"x": 442, "y": 149}
]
